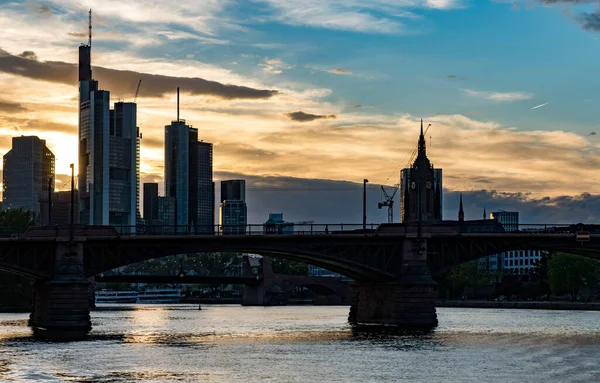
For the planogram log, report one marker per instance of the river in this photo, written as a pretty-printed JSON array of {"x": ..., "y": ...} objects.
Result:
[{"x": 179, "y": 343}]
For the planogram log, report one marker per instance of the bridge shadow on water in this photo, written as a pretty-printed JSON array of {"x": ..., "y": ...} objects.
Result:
[{"x": 403, "y": 339}]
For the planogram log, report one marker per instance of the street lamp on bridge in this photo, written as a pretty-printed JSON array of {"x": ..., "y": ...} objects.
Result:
[{"x": 365, "y": 203}]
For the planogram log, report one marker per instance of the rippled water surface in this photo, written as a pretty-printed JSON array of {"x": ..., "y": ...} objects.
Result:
[{"x": 178, "y": 343}]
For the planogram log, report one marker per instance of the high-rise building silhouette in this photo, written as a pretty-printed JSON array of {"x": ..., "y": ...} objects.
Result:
[
  {"x": 421, "y": 188},
  {"x": 109, "y": 154},
  {"x": 188, "y": 177},
  {"x": 27, "y": 174},
  {"x": 150, "y": 201},
  {"x": 233, "y": 212},
  {"x": 233, "y": 190}
]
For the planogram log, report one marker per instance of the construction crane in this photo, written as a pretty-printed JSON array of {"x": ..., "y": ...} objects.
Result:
[
  {"x": 389, "y": 202},
  {"x": 137, "y": 90}
]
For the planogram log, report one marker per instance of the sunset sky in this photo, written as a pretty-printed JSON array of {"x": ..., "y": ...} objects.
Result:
[{"x": 303, "y": 96}]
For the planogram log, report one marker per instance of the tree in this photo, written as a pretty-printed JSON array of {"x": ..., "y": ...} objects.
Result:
[
  {"x": 15, "y": 221},
  {"x": 15, "y": 290},
  {"x": 287, "y": 267},
  {"x": 570, "y": 273}
]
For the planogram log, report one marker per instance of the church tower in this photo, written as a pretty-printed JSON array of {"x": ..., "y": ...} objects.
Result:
[{"x": 421, "y": 188}]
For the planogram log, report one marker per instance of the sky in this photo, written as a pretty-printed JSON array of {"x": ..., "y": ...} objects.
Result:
[{"x": 306, "y": 99}]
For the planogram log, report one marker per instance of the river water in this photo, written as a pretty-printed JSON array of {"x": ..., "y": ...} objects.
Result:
[{"x": 179, "y": 343}]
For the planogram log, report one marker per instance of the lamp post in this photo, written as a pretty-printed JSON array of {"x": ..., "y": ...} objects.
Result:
[
  {"x": 365, "y": 203},
  {"x": 72, "y": 200},
  {"x": 50, "y": 201}
]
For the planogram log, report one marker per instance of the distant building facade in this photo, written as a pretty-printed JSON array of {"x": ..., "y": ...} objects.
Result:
[
  {"x": 28, "y": 172},
  {"x": 516, "y": 262},
  {"x": 276, "y": 225},
  {"x": 508, "y": 219},
  {"x": 61, "y": 208},
  {"x": 421, "y": 188},
  {"x": 233, "y": 212}
]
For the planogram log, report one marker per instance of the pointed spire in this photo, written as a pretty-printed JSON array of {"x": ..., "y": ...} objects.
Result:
[
  {"x": 461, "y": 213},
  {"x": 484, "y": 214},
  {"x": 421, "y": 141}
]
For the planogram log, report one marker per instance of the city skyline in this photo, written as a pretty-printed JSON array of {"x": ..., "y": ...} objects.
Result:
[{"x": 277, "y": 108}]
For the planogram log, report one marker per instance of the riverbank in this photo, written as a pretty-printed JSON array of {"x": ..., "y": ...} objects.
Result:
[{"x": 543, "y": 305}]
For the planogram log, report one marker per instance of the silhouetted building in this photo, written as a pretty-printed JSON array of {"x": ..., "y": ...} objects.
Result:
[
  {"x": 233, "y": 190},
  {"x": 188, "y": 177},
  {"x": 233, "y": 216},
  {"x": 166, "y": 214},
  {"x": 421, "y": 188},
  {"x": 109, "y": 154},
  {"x": 150, "y": 201},
  {"x": 508, "y": 219},
  {"x": 124, "y": 166},
  {"x": 276, "y": 225},
  {"x": 27, "y": 169},
  {"x": 61, "y": 208}
]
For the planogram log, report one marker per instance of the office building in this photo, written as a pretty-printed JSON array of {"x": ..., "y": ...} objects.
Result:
[
  {"x": 421, "y": 188},
  {"x": 188, "y": 177},
  {"x": 166, "y": 215},
  {"x": 28, "y": 175},
  {"x": 61, "y": 208},
  {"x": 150, "y": 201},
  {"x": 276, "y": 225},
  {"x": 508, "y": 219},
  {"x": 233, "y": 210},
  {"x": 233, "y": 190},
  {"x": 109, "y": 154}
]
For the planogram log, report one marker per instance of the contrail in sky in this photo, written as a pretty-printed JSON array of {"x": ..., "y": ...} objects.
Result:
[{"x": 539, "y": 106}]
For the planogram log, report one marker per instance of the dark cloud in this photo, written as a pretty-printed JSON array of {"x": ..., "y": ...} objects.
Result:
[
  {"x": 11, "y": 107},
  {"x": 590, "y": 21},
  {"x": 78, "y": 34},
  {"x": 306, "y": 117},
  {"x": 40, "y": 9},
  {"x": 28, "y": 55},
  {"x": 123, "y": 83},
  {"x": 336, "y": 202},
  {"x": 551, "y": 210}
]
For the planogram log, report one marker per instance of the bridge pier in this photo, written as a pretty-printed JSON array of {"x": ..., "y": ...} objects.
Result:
[
  {"x": 408, "y": 303},
  {"x": 61, "y": 306}
]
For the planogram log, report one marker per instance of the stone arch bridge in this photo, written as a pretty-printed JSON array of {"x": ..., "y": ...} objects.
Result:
[{"x": 391, "y": 266}]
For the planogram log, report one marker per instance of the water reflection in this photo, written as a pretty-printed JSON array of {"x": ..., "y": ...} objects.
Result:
[{"x": 298, "y": 344}]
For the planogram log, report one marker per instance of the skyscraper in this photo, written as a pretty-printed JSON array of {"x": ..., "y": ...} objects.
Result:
[
  {"x": 188, "y": 177},
  {"x": 124, "y": 160},
  {"x": 421, "y": 188},
  {"x": 150, "y": 201},
  {"x": 109, "y": 153},
  {"x": 233, "y": 216},
  {"x": 233, "y": 190},
  {"x": 28, "y": 166}
]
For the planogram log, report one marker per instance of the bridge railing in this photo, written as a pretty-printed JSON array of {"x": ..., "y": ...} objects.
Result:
[
  {"x": 250, "y": 229},
  {"x": 303, "y": 229}
]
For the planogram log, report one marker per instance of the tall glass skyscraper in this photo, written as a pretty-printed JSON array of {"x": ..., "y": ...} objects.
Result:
[
  {"x": 188, "y": 178},
  {"x": 109, "y": 154},
  {"x": 27, "y": 169}
]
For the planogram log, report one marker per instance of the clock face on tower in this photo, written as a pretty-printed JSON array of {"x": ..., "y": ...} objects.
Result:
[
  {"x": 428, "y": 185},
  {"x": 413, "y": 185}
]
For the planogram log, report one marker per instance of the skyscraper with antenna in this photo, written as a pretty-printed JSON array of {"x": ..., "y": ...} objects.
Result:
[
  {"x": 109, "y": 147},
  {"x": 188, "y": 177}
]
